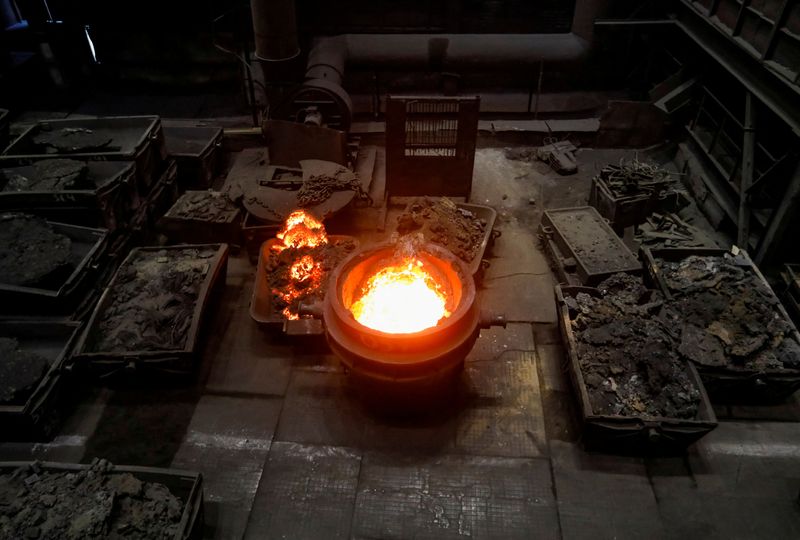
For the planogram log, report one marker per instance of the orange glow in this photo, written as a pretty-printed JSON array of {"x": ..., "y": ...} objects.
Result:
[
  {"x": 401, "y": 299},
  {"x": 301, "y": 230}
]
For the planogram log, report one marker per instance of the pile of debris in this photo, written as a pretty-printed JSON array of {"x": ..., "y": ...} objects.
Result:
[
  {"x": 31, "y": 251},
  {"x": 211, "y": 206},
  {"x": 20, "y": 371},
  {"x": 92, "y": 503},
  {"x": 559, "y": 155},
  {"x": 668, "y": 230},
  {"x": 442, "y": 222},
  {"x": 627, "y": 354},
  {"x": 726, "y": 316},
  {"x": 152, "y": 301},
  {"x": 319, "y": 187},
  {"x": 45, "y": 175}
]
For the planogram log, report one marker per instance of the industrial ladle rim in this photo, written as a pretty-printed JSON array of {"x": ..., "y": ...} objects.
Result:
[{"x": 386, "y": 356}]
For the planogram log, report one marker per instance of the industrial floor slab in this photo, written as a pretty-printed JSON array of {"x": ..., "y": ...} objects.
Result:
[{"x": 288, "y": 451}]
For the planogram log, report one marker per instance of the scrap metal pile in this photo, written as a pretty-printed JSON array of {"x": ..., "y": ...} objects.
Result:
[
  {"x": 726, "y": 316},
  {"x": 85, "y": 504},
  {"x": 627, "y": 354},
  {"x": 669, "y": 230},
  {"x": 33, "y": 250},
  {"x": 152, "y": 301},
  {"x": 442, "y": 222},
  {"x": 45, "y": 175},
  {"x": 636, "y": 177}
]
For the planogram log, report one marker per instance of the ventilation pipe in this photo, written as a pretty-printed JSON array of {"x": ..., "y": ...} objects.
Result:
[{"x": 275, "y": 30}]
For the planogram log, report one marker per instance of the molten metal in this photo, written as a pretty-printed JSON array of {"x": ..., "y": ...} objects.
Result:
[
  {"x": 301, "y": 230},
  {"x": 401, "y": 299}
]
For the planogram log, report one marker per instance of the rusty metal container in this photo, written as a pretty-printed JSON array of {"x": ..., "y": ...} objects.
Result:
[
  {"x": 729, "y": 384},
  {"x": 628, "y": 434},
  {"x": 186, "y": 485},
  {"x": 39, "y": 415}
]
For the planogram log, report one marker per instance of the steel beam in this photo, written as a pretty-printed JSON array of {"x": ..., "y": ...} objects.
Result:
[
  {"x": 748, "y": 164},
  {"x": 780, "y": 219}
]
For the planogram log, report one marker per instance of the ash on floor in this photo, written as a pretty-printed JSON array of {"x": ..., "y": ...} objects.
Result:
[
  {"x": 727, "y": 316},
  {"x": 31, "y": 250},
  {"x": 152, "y": 302},
  {"x": 626, "y": 353},
  {"x": 442, "y": 222},
  {"x": 20, "y": 371},
  {"x": 86, "y": 504}
]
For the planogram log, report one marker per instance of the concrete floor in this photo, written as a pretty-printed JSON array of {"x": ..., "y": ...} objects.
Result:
[{"x": 287, "y": 451}]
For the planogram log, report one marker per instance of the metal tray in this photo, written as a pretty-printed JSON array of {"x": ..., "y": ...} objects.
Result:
[
  {"x": 158, "y": 202},
  {"x": 556, "y": 226},
  {"x": 487, "y": 214},
  {"x": 255, "y": 232},
  {"x": 139, "y": 138},
  {"x": 37, "y": 418},
  {"x": 629, "y": 433},
  {"x": 261, "y": 309},
  {"x": 186, "y": 485},
  {"x": 197, "y": 151},
  {"x": 110, "y": 204},
  {"x": 88, "y": 248},
  {"x": 175, "y": 361},
  {"x": 190, "y": 230},
  {"x": 731, "y": 384}
]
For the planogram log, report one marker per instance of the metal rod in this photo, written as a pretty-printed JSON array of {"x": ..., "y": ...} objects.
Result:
[
  {"x": 538, "y": 90},
  {"x": 748, "y": 163}
]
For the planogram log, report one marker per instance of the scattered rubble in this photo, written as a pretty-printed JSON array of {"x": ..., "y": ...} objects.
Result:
[
  {"x": 93, "y": 503},
  {"x": 442, "y": 222},
  {"x": 726, "y": 316},
  {"x": 559, "y": 155},
  {"x": 31, "y": 250},
  {"x": 310, "y": 280},
  {"x": 20, "y": 371},
  {"x": 627, "y": 354},
  {"x": 211, "y": 206},
  {"x": 72, "y": 141},
  {"x": 152, "y": 301},
  {"x": 45, "y": 175},
  {"x": 636, "y": 177}
]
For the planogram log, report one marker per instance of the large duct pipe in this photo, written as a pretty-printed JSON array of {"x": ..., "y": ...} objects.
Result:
[
  {"x": 440, "y": 52},
  {"x": 275, "y": 30}
]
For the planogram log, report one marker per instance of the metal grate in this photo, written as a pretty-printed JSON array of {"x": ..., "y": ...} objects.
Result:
[{"x": 431, "y": 128}]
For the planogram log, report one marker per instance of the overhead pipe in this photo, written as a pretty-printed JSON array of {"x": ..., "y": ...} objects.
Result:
[
  {"x": 451, "y": 52},
  {"x": 275, "y": 30}
]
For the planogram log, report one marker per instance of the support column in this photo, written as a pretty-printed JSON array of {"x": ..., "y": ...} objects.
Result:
[{"x": 748, "y": 165}]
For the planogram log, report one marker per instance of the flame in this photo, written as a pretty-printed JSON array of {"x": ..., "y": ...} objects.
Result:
[
  {"x": 301, "y": 230},
  {"x": 401, "y": 299}
]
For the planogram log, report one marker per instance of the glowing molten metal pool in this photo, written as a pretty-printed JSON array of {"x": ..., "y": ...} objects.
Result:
[{"x": 401, "y": 299}]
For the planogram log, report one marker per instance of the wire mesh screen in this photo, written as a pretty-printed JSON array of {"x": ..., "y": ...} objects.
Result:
[
  {"x": 431, "y": 128},
  {"x": 430, "y": 145}
]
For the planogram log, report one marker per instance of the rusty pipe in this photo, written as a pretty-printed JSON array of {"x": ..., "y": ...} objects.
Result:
[{"x": 275, "y": 30}]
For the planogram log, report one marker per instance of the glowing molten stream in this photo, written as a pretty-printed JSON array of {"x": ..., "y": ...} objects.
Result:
[{"x": 401, "y": 299}]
